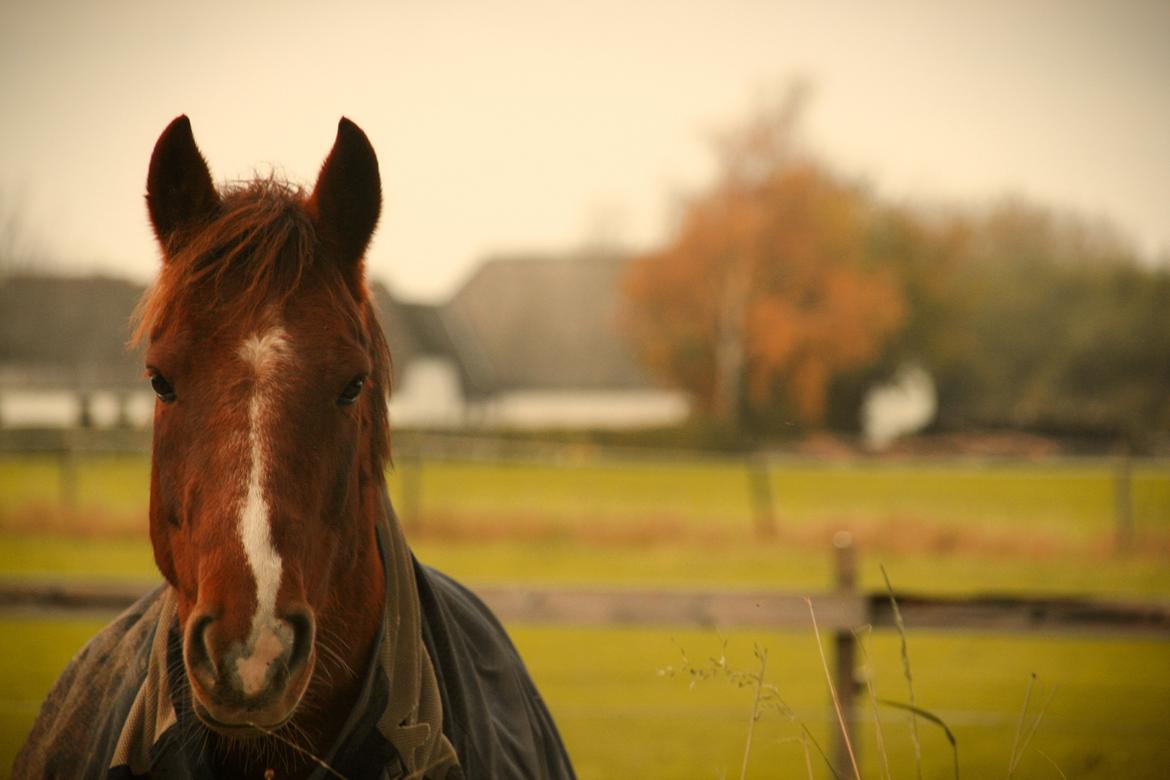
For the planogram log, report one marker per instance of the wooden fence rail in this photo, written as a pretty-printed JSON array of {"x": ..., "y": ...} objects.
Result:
[{"x": 772, "y": 610}]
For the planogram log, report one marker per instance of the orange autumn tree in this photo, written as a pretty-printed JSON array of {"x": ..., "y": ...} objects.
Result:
[{"x": 766, "y": 290}]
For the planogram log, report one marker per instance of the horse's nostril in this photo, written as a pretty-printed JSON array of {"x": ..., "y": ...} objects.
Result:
[
  {"x": 303, "y": 629},
  {"x": 199, "y": 655}
]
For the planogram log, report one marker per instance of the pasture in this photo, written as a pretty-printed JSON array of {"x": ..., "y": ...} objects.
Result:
[
  {"x": 945, "y": 529},
  {"x": 950, "y": 504}
]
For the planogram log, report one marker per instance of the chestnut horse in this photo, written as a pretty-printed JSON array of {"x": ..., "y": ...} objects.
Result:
[{"x": 295, "y": 635}]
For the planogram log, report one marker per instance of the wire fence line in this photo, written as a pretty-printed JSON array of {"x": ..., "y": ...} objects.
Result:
[
  {"x": 525, "y": 450},
  {"x": 414, "y": 452}
]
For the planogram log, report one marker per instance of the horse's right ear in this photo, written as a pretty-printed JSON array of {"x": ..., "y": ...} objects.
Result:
[{"x": 179, "y": 190}]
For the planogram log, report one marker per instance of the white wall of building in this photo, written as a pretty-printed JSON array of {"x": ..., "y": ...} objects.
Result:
[
  {"x": 48, "y": 408},
  {"x": 428, "y": 395},
  {"x": 583, "y": 409}
]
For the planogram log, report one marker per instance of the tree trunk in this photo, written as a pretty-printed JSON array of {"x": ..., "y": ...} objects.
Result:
[{"x": 729, "y": 346}]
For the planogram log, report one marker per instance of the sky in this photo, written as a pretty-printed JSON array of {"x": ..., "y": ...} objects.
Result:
[{"x": 544, "y": 126}]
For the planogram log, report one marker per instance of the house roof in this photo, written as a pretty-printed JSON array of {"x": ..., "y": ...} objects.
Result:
[
  {"x": 519, "y": 322},
  {"x": 415, "y": 330},
  {"x": 65, "y": 331},
  {"x": 546, "y": 322}
]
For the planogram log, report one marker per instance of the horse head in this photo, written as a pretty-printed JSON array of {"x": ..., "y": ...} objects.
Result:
[{"x": 270, "y": 434}]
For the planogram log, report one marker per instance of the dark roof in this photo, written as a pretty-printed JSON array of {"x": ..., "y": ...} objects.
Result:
[
  {"x": 404, "y": 345},
  {"x": 416, "y": 330},
  {"x": 546, "y": 322},
  {"x": 68, "y": 330},
  {"x": 535, "y": 322}
]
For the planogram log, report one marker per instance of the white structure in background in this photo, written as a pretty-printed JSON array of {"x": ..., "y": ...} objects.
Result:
[
  {"x": 63, "y": 355},
  {"x": 612, "y": 409},
  {"x": 905, "y": 405},
  {"x": 57, "y": 408},
  {"x": 428, "y": 394},
  {"x": 528, "y": 341}
]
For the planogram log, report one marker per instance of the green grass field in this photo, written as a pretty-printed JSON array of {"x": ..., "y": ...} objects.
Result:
[
  {"x": 1072, "y": 503},
  {"x": 620, "y": 718},
  {"x": 955, "y": 530}
]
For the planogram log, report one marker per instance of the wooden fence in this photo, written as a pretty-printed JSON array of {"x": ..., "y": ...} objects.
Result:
[
  {"x": 840, "y": 613},
  {"x": 413, "y": 452}
]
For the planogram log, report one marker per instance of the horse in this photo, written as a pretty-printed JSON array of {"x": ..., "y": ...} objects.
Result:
[{"x": 295, "y": 635}]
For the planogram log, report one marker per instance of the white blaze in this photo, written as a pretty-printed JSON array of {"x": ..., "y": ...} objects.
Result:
[{"x": 265, "y": 353}]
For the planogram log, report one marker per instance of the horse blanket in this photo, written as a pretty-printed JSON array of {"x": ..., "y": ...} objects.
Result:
[{"x": 121, "y": 709}]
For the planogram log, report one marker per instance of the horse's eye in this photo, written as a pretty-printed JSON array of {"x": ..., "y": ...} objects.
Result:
[
  {"x": 351, "y": 391},
  {"x": 162, "y": 388}
]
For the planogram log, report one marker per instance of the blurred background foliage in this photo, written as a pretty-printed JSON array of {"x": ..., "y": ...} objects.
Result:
[{"x": 788, "y": 289}]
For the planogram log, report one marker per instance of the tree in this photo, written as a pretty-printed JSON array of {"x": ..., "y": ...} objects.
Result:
[
  {"x": 20, "y": 249},
  {"x": 766, "y": 291},
  {"x": 1064, "y": 330}
]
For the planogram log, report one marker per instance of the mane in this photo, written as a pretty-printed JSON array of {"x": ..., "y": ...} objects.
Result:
[
  {"x": 262, "y": 241},
  {"x": 261, "y": 235}
]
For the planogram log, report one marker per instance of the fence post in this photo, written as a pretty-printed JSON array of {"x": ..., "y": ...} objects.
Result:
[
  {"x": 67, "y": 467},
  {"x": 84, "y": 410},
  {"x": 1123, "y": 502},
  {"x": 412, "y": 487},
  {"x": 845, "y": 653},
  {"x": 123, "y": 416},
  {"x": 762, "y": 500}
]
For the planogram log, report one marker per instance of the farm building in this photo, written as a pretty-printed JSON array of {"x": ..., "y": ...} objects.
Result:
[
  {"x": 527, "y": 341},
  {"x": 63, "y": 352}
]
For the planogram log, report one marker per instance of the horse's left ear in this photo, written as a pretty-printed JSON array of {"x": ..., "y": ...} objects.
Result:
[{"x": 347, "y": 198}]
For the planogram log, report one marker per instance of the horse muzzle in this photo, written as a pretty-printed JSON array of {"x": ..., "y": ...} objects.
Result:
[{"x": 247, "y": 686}]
